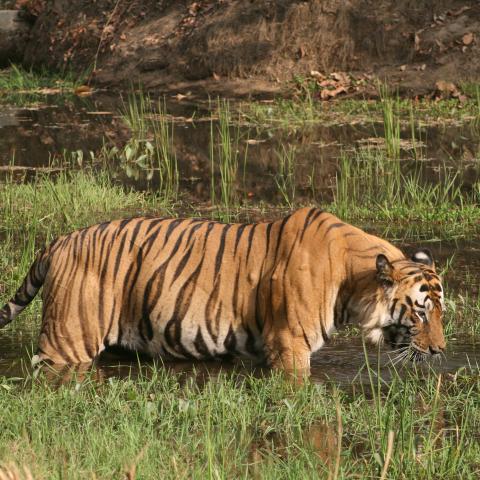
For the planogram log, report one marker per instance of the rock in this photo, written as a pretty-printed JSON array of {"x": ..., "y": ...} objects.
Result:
[{"x": 14, "y": 33}]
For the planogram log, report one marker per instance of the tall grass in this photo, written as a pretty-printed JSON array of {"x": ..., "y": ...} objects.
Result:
[
  {"x": 391, "y": 122},
  {"x": 224, "y": 158},
  {"x": 151, "y": 147},
  {"x": 165, "y": 153},
  {"x": 285, "y": 178}
]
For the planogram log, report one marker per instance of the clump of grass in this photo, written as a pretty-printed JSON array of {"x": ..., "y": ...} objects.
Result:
[
  {"x": 370, "y": 186},
  {"x": 365, "y": 177},
  {"x": 224, "y": 159},
  {"x": 50, "y": 205},
  {"x": 150, "y": 149},
  {"x": 391, "y": 122},
  {"x": 17, "y": 78},
  {"x": 285, "y": 177}
]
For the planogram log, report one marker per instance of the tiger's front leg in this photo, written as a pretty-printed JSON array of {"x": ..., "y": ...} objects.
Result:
[{"x": 288, "y": 352}]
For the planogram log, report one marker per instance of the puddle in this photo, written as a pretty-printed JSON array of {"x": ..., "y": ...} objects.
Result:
[
  {"x": 341, "y": 361},
  {"x": 37, "y": 137}
]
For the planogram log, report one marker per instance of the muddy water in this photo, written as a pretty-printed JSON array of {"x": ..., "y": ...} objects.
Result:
[
  {"x": 37, "y": 137},
  {"x": 342, "y": 361}
]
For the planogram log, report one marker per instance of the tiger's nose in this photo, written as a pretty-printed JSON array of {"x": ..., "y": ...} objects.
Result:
[{"x": 436, "y": 349}]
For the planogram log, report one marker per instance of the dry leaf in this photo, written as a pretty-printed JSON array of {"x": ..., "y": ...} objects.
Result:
[
  {"x": 216, "y": 77},
  {"x": 179, "y": 96},
  {"x": 326, "y": 94},
  {"x": 467, "y": 39},
  {"x": 403, "y": 68},
  {"x": 447, "y": 89},
  {"x": 83, "y": 91},
  {"x": 316, "y": 74}
]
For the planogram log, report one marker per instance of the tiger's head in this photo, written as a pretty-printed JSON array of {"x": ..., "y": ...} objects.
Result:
[{"x": 411, "y": 306}]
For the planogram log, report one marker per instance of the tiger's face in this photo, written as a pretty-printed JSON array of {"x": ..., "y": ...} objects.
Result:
[{"x": 413, "y": 296}]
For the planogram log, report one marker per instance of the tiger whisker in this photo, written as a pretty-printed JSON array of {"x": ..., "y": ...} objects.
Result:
[{"x": 401, "y": 357}]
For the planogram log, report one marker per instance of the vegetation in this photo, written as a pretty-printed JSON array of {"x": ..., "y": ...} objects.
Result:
[
  {"x": 240, "y": 426},
  {"x": 17, "y": 78}
]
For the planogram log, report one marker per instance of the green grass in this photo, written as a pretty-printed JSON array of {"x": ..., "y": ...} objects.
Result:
[
  {"x": 305, "y": 112},
  {"x": 51, "y": 205},
  {"x": 239, "y": 426},
  {"x": 370, "y": 186},
  {"x": 18, "y": 78},
  {"x": 150, "y": 150}
]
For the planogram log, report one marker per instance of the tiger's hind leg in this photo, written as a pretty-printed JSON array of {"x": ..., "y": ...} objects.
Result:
[
  {"x": 66, "y": 340},
  {"x": 64, "y": 350}
]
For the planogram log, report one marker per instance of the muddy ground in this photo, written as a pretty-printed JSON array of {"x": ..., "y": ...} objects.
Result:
[{"x": 256, "y": 46}]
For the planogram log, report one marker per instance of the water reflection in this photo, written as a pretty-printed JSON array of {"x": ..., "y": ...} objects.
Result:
[{"x": 38, "y": 137}]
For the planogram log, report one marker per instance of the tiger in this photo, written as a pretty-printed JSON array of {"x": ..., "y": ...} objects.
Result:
[{"x": 272, "y": 291}]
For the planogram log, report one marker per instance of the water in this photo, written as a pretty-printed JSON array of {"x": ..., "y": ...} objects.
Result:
[{"x": 36, "y": 137}]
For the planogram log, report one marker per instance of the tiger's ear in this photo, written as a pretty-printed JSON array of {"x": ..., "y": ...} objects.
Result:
[
  {"x": 384, "y": 271},
  {"x": 424, "y": 255}
]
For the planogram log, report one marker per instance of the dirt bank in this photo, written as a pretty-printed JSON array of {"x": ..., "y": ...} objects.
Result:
[{"x": 246, "y": 46}]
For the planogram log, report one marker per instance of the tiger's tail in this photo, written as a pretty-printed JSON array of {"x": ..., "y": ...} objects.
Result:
[{"x": 27, "y": 291}]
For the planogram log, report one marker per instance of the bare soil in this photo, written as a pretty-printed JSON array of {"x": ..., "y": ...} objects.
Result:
[{"x": 248, "y": 47}]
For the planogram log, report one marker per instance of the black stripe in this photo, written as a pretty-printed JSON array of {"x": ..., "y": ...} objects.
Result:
[
  {"x": 250, "y": 240},
  {"x": 153, "y": 224},
  {"x": 268, "y": 231},
  {"x": 181, "y": 265},
  {"x": 221, "y": 249},
  {"x": 230, "y": 342},
  {"x": 119, "y": 255},
  {"x": 279, "y": 238},
  {"x": 250, "y": 342},
  {"x": 145, "y": 325},
  {"x": 335, "y": 225},
  {"x": 394, "y": 304},
  {"x": 317, "y": 214},
  {"x": 200, "y": 345},
  {"x": 134, "y": 236},
  {"x": 320, "y": 224},
  {"x": 138, "y": 268},
  {"x": 123, "y": 224},
  {"x": 173, "y": 225},
  {"x": 306, "y": 339},
  {"x": 324, "y": 333},
  {"x": 306, "y": 223},
  {"x": 240, "y": 230},
  {"x": 235, "y": 294},
  {"x": 193, "y": 230}
]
